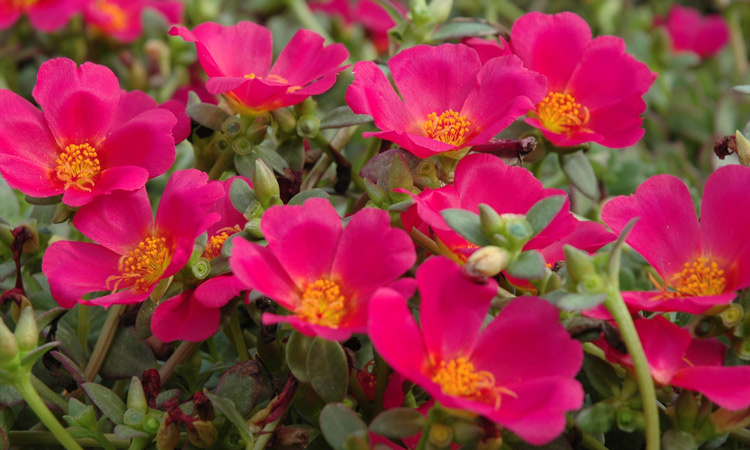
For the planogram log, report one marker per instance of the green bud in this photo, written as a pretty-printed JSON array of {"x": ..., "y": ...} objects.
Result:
[
  {"x": 8, "y": 344},
  {"x": 233, "y": 126},
  {"x": 686, "y": 410},
  {"x": 152, "y": 422},
  {"x": 629, "y": 420},
  {"x": 254, "y": 210},
  {"x": 203, "y": 434},
  {"x": 732, "y": 315},
  {"x": 242, "y": 146},
  {"x": 378, "y": 196},
  {"x": 516, "y": 230},
  {"x": 136, "y": 395},
  {"x": 440, "y": 435},
  {"x": 491, "y": 221},
  {"x": 308, "y": 106},
  {"x": 488, "y": 261},
  {"x": 421, "y": 14},
  {"x": 233, "y": 440},
  {"x": 707, "y": 327},
  {"x": 256, "y": 132},
  {"x": 591, "y": 283},
  {"x": 285, "y": 120},
  {"x": 201, "y": 268},
  {"x": 27, "y": 333},
  {"x": 400, "y": 175},
  {"x": 134, "y": 418},
  {"x": 579, "y": 263},
  {"x": 168, "y": 436},
  {"x": 252, "y": 227},
  {"x": 308, "y": 126},
  {"x": 441, "y": 10},
  {"x": 265, "y": 184},
  {"x": 742, "y": 348},
  {"x": 222, "y": 143},
  {"x": 465, "y": 433},
  {"x": 743, "y": 148}
]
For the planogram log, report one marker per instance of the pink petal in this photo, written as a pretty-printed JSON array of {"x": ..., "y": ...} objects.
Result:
[
  {"x": 9, "y": 14},
  {"x": 75, "y": 269},
  {"x": 172, "y": 10},
  {"x": 78, "y": 103},
  {"x": 303, "y": 238},
  {"x": 655, "y": 301},
  {"x": 725, "y": 219},
  {"x": 218, "y": 291},
  {"x": 704, "y": 352},
  {"x": 420, "y": 146},
  {"x": 667, "y": 233},
  {"x": 725, "y": 386},
  {"x": 453, "y": 307},
  {"x": 588, "y": 236},
  {"x": 305, "y": 59},
  {"x": 128, "y": 178},
  {"x": 488, "y": 49},
  {"x": 52, "y": 15},
  {"x": 24, "y": 132},
  {"x": 526, "y": 341},
  {"x": 130, "y": 105},
  {"x": 371, "y": 93},
  {"x": 339, "y": 334},
  {"x": 257, "y": 268},
  {"x": 182, "y": 128},
  {"x": 185, "y": 204},
  {"x": 184, "y": 318},
  {"x": 121, "y": 297},
  {"x": 618, "y": 125},
  {"x": 370, "y": 253},
  {"x": 665, "y": 345},
  {"x": 29, "y": 176},
  {"x": 551, "y": 44},
  {"x": 119, "y": 221}
]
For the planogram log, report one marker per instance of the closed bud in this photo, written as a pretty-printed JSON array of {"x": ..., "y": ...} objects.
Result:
[
  {"x": 591, "y": 283},
  {"x": 203, "y": 434},
  {"x": 732, "y": 315},
  {"x": 291, "y": 438},
  {"x": 136, "y": 395},
  {"x": 686, "y": 410},
  {"x": 308, "y": 126},
  {"x": 377, "y": 195},
  {"x": 152, "y": 422},
  {"x": 168, "y": 436},
  {"x": 8, "y": 344},
  {"x": 742, "y": 348},
  {"x": 440, "y": 435},
  {"x": 285, "y": 120},
  {"x": 307, "y": 106},
  {"x": 265, "y": 184},
  {"x": 256, "y": 132},
  {"x": 495, "y": 443},
  {"x": 134, "y": 417},
  {"x": 488, "y": 261},
  {"x": 441, "y": 10},
  {"x": 490, "y": 220},
  {"x": 420, "y": 13},
  {"x": 16, "y": 308},
  {"x": 27, "y": 332},
  {"x": 629, "y": 420},
  {"x": 743, "y": 148},
  {"x": 579, "y": 263},
  {"x": 465, "y": 433},
  {"x": 252, "y": 227}
]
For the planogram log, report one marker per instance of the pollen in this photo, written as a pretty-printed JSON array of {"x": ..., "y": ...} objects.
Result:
[
  {"x": 699, "y": 278},
  {"x": 78, "y": 167},
  {"x": 561, "y": 113},
  {"x": 215, "y": 242},
  {"x": 449, "y": 127},
  {"x": 458, "y": 377},
  {"x": 322, "y": 304},
  {"x": 143, "y": 266}
]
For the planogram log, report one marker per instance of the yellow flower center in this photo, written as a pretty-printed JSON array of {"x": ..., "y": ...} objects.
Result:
[
  {"x": 78, "y": 166},
  {"x": 215, "y": 242},
  {"x": 560, "y": 113},
  {"x": 322, "y": 304},
  {"x": 449, "y": 127},
  {"x": 22, "y": 4},
  {"x": 142, "y": 266},
  {"x": 699, "y": 278},
  {"x": 459, "y": 378},
  {"x": 118, "y": 18}
]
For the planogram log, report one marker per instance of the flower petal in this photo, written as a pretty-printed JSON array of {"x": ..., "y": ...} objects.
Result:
[
  {"x": 305, "y": 59},
  {"x": 725, "y": 386},
  {"x": 258, "y": 269},
  {"x": 371, "y": 93},
  {"x": 218, "y": 291},
  {"x": 184, "y": 318}
]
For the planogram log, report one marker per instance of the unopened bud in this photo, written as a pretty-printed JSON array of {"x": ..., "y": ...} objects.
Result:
[
  {"x": 8, "y": 344},
  {"x": 743, "y": 148},
  {"x": 629, "y": 420},
  {"x": 152, "y": 422},
  {"x": 134, "y": 417},
  {"x": 488, "y": 261},
  {"x": 136, "y": 395},
  {"x": 256, "y": 132},
  {"x": 203, "y": 434},
  {"x": 579, "y": 263},
  {"x": 421, "y": 14},
  {"x": 495, "y": 443},
  {"x": 377, "y": 194},
  {"x": 307, "y": 106},
  {"x": 265, "y": 184},
  {"x": 168, "y": 436},
  {"x": 466, "y": 433},
  {"x": 252, "y": 227},
  {"x": 285, "y": 120},
  {"x": 490, "y": 220},
  {"x": 686, "y": 410},
  {"x": 27, "y": 332},
  {"x": 308, "y": 126},
  {"x": 591, "y": 283},
  {"x": 291, "y": 438},
  {"x": 441, "y": 10},
  {"x": 732, "y": 315},
  {"x": 440, "y": 435},
  {"x": 17, "y": 306},
  {"x": 742, "y": 348}
]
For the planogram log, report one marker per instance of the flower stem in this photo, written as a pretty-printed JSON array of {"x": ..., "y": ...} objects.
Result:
[
  {"x": 106, "y": 337},
  {"x": 225, "y": 159},
  {"x": 267, "y": 433},
  {"x": 24, "y": 387},
  {"x": 27, "y": 439},
  {"x": 183, "y": 352},
  {"x": 239, "y": 340},
  {"x": 383, "y": 375}
]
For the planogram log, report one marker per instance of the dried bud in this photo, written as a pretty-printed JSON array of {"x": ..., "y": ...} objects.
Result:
[
  {"x": 488, "y": 261},
  {"x": 291, "y": 438},
  {"x": 202, "y": 434},
  {"x": 168, "y": 436}
]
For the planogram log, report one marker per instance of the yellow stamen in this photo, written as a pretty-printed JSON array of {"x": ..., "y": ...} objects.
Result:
[
  {"x": 449, "y": 127},
  {"x": 118, "y": 18},
  {"x": 322, "y": 304},
  {"x": 142, "y": 266},
  {"x": 78, "y": 166},
  {"x": 459, "y": 378},
  {"x": 215, "y": 242},
  {"x": 560, "y": 113},
  {"x": 699, "y": 278}
]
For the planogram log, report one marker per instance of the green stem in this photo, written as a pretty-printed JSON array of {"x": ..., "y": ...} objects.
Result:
[
  {"x": 139, "y": 443},
  {"x": 225, "y": 159},
  {"x": 620, "y": 313},
  {"x": 106, "y": 337},
  {"x": 48, "y": 394},
  {"x": 24, "y": 387},
  {"x": 84, "y": 326},
  {"x": 424, "y": 439},
  {"x": 359, "y": 394},
  {"x": 27, "y": 439},
  {"x": 266, "y": 434},
  {"x": 239, "y": 340},
  {"x": 383, "y": 375},
  {"x": 183, "y": 352}
]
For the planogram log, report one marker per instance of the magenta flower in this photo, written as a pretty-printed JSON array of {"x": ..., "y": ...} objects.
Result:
[
  {"x": 121, "y": 19},
  {"x": 322, "y": 274},
  {"x": 691, "y": 32},
  {"x": 90, "y": 138},
  {"x": 481, "y": 178},
  {"x": 700, "y": 264},
  {"x": 518, "y": 371},
  {"x": 448, "y": 101},
  {"x": 488, "y": 49},
  {"x": 676, "y": 359},
  {"x": 194, "y": 315},
  {"x": 44, "y": 15},
  {"x": 237, "y": 60},
  {"x": 132, "y": 250},
  {"x": 595, "y": 88}
]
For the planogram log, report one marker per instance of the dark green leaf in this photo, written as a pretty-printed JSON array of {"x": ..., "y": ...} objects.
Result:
[
  {"x": 328, "y": 369},
  {"x": 37, "y": 353},
  {"x": 338, "y": 422},
  {"x": 226, "y": 407},
  {"x": 293, "y": 152},
  {"x": 529, "y": 265},
  {"x": 107, "y": 401},
  {"x": 303, "y": 196},
  {"x": 210, "y": 116},
  {"x": 246, "y": 384},
  {"x": 125, "y": 432},
  {"x": 143, "y": 319},
  {"x": 343, "y": 116},
  {"x": 541, "y": 214},
  {"x": 127, "y": 357},
  {"x": 577, "y": 168},
  {"x": 463, "y": 29},
  {"x": 398, "y": 423},
  {"x": 601, "y": 375},
  {"x": 297, "y": 349},
  {"x": 596, "y": 419},
  {"x": 467, "y": 224},
  {"x": 9, "y": 396},
  {"x": 241, "y": 195},
  {"x": 580, "y": 302}
]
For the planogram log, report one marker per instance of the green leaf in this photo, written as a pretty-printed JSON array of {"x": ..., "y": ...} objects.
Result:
[
  {"x": 143, "y": 319},
  {"x": 107, "y": 401},
  {"x": 596, "y": 419},
  {"x": 678, "y": 440},
  {"x": 10, "y": 209},
  {"x": 125, "y": 432},
  {"x": 293, "y": 152},
  {"x": 467, "y": 224},
  {"x": 544, "y": 211},
  {"x": 127, "y": 357},
  {"x": 246, "y": 384},
  {"x": 328, "y": 369},
  {"x": 461, "y": 29},
  {"x": 37, "y": 353},
  {"x": 601, "y": 375},
  {"x": 303, "y": 196},
  {"x": 226, "y": 407},
  {"x": 9, "y": 396},
  {"x": 297, "y": 349},
  {"x": 47, "y": 317},
  {"x": 577, "y": 168},
  {"x": 272, "y": 159},
  {"x": 742, "y": 89},
  {"x": 528, "y": 265},
  {"x": 241, "y": 195},
  {"x": 398, "y": 423},
  {"x": 580, "y": 302},
  {"x": 343, "y": 116},
  {"x": 210, "y": 116},
  {"x": 338, "y": 422}
]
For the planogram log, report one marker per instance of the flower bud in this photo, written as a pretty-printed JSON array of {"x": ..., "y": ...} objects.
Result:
[
  {"x": 27, "y": 332},
  {"x": 579, "y": 263},
  {"x": 466, "y": 433},
  {"x": 591, "y": 283},
  {"x": 256, "y": 132},
  {"x": 307, "y": 106},
  {"x": 290, "y": 438},
  {"x": 152, "y": 422},
  {"x": 743, "y": 148},
  {"x": 686, "y": 410},
  {"x": 440, "y": 435},
  {"x": 252, "y": 227},
  {"x": 285, "y": 120},
  {"x": 201, "y": 268},
  {"x": 168, "y": 436},
  {"x": 420, "y": 13},
  {"x": 134, "y": 417},
  {"x": 490, "y": 220},
  {"x": 629, "y": 420},
  {"x": 8, "y": 344},
  {"x": 495, "y": 443},
  {"x": 265, "y": 184},
  {"x": 742, "y": 348},
  {"x": 308, "y": 126},
  {"x": 732, "y": 315},
  {"x": 488, "y": 261},
  {"x": 441, "y": 10},
  {"x": 203, "y": 434}
]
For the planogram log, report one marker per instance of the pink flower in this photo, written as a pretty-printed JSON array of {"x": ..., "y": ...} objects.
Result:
[
  {"x": 488, "y": 49},
  {"x": 237, "y": 60},
  {"x": 595, "y": 88},
  {"x": 701, "y": 264},
  {"x": 90, "y": 138},
  {"x": 518, "y": 371},
  {"x": 448, "y": 100},
  {"x": 481, "y": 178},
  {"x": 322, "y": 274},
  {"x": 132, "y": 250},
  {"x": 676, "y": 359},
  {"x": 121, "y": 19},
  {"x": 194, "y": 315},
  {"x": 691, "y": 32},
  {"x": 44, "y": 15}
]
